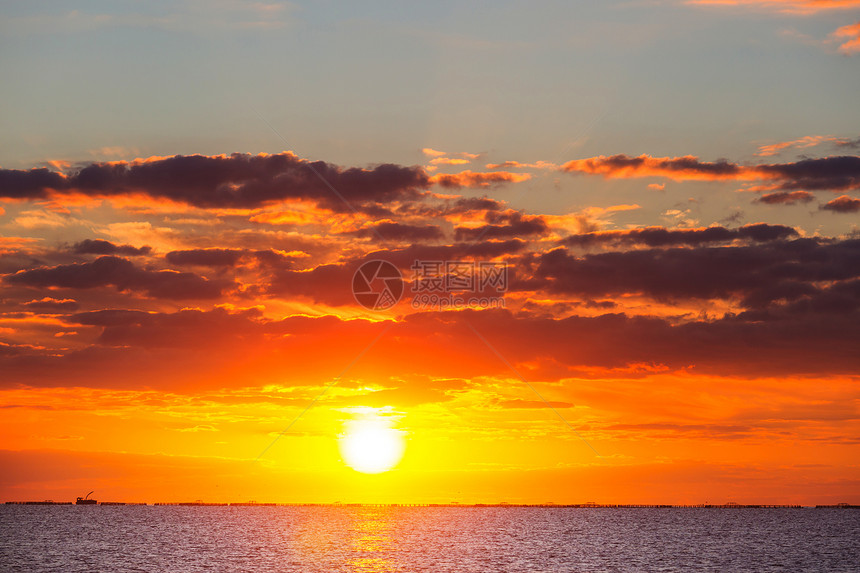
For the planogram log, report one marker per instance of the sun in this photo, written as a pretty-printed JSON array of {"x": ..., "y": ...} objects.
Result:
[{"x": 371, "y": 446}]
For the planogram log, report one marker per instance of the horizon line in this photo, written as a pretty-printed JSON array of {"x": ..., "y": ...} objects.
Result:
[{"x": 587, "y": 505}]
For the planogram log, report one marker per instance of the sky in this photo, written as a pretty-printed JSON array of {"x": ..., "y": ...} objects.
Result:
[{"x": 653, "y": 205}]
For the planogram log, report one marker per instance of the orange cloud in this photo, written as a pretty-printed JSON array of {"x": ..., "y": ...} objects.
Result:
[
  {"x": 473, "y": 179},
  {"x": 296, "y": 217},
  {"x": 801, "y": 7},
  {"x": 834, "y": 173},
  {"x": 851, "y": 45},
  {"x": 432, "y": 152},
  {"x": 448, "y": 161},
  {"x": 802, "y": 143},
  {"x": 843, "y": 204},
  {"x": 686, "y": 168},
  {"x": 518, "y": 165}
]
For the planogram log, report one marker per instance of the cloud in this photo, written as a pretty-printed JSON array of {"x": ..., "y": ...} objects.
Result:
[
  {"x": 229, "y": 257},
  {"x": 800, "y": 7},
  {"x": 407, "y": 396},
  {"x": 241, "y": 347},
  {"x": 432, "y": 152},
  {"x": 449, "y": 161},
  {"x": 242, "y": 181},
  {"x": 231, "y": 348},
  {"x": 532, "y": 404},
  {"x": 828, "y": 173},
  {"x": 518, "y": 165},
  {"x": 504, "y": 225},
  {"x": 34, "y": 183},
  {"x": 329, "y": 283},
  {"x": 121, "y": 274},
  {"x": 687, "y": 168},
  {"x": 235, "y": 181},
  {"x": 663, "y": 237},
  {"x": 802, "y": 143},
  {"x": 850, "y": 38},
  {"x": 752, "y": 275},
  {"x": 325, "y": 284},
  {"x": 843, "y": 204},
  {"x": 393, "y": 231},
  {"x": 199, "y": 428},
  {"x": 205, "y": 257},
  {"x": 786, "y": 198},
  {"x": 110, "y": 317},
  {"x": 473, "y": 179},
  {"x": 477, "y": 204},
  {"x": 52, "y": 305},
  {"x": 101, "y": 247},
  {"x": 452, "y": 207},
  {"x": 849, "y": 143},
  {"x": 849, "y": 35}
]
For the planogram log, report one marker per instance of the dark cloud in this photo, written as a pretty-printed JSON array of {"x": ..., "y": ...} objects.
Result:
[
  {"x": 477, "y": 179},
  {"x": 122, "y": 274},
  {"x": 837, "y": 173},
  {"x": 31, "y": 184},
  {"x": 840, "y": 298},
  {"x": 328, "y": 284},
  {"x": 222, "y": 348},
  {"x": 827, "y": 173},
  {"x": 331, "y": 283},
  {"x": 785, "y": 198},
  {"x": 228, "y": 258},
  {"x": 843, "y": 204},
  {"x": 272, "y": 258},
  {"x": 109, "y": 317},
  {"x": 49, "y": 304},
  {"x": 392, "y": 231},
  {"x": 450, "y": 207},
  {"x": 795, "y": 345},
  {"x": 237, "y": 181},
  {"x": 503, "y": 226},
  {"x": 205, "y": 257},
  {"x": 743, "y": 272},
  {"x": 662, "y": 237},
  {"x": 849, "y": 143},
  {"x": 467, "y": 204},
  {"x": 101, "y": 247}
]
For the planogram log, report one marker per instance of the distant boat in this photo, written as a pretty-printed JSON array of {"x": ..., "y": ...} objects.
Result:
[{"x": 86, "y": 500}]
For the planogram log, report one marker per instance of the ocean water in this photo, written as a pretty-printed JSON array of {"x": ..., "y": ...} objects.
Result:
[{"x": 89, "y": 539}]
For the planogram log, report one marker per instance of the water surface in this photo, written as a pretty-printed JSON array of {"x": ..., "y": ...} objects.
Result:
[{"x": 72, "y": 539}]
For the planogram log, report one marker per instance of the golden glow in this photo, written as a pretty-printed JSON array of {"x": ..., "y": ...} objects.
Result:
[{"x": 371, "y": 446}]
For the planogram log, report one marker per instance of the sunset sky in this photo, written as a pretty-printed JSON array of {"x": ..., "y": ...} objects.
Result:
[{"x": 187, "y": 190}]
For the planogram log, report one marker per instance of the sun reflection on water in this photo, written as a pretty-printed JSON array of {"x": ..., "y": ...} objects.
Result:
[
  {"x": 371, "y": 540},
  {"x": 347, "y": 538}
]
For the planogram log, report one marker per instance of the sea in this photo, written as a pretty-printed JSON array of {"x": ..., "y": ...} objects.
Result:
[{"x": 103, "y": 538}]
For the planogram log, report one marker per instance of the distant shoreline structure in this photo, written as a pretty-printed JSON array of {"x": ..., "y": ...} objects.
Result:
[{"x": 459, "y": 505}]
